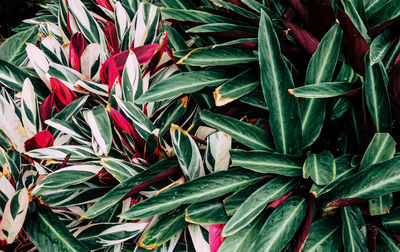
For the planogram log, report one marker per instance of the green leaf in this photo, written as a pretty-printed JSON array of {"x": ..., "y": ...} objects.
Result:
[
  {"x": 218, "y": 55},
  {"x": 121, "y": 170},
  {"x": 381, "y": 12},
  {"x": 192, "y": 16},
  {"x": 244, "y": 133},
  {"x": 379, "y": 46},
  {"x": 256, "y": 202},
  {"x": 267, "y": 162},
  {"x": 281, "y": 225},
  {"x": 233, "y": 202},
  {"x": 376, "y": 96},
  {"x": 102, "y": 235},
  {"x": 235, "y": 88},
  {"x": 354, "y": 231},
  {"x": 324, "y": 236},
  {"x": 13, "y": 49},
  {"x": 380, "y": 205},
  {"x": 166, "y": 227},
  {"x": 242, "y": 240},
  {"x": 119, "y": 191},
  {"x": 234, "y": 8},
  {"x": 276, "y": 80},
  {"x": 187, "y": 152},
  {"x": 100, "y": 124},
  {"x": 14, "y": 216},
  {"x": 69, "y": 129},
  {"x": 48, "y": 233},
  {"x": 391, "y": 221},
  {"x": 385, "y": 242},
  {"x": 356, "y": 16},
  {"x": 320, "y": 167},
  {"x": 320, "y": 69},
  {"x": 376, "y": 180},
  {"x": 206, "y": 213},
  {"x": 78, "y": 152},
  {"x": 179, "y": 4},
  {"x": 324, "y": 90},
  {"x": 381, "y": 148},
  {"x": 201, "y": 189},
  {"x": 183, "y": 83},
  {"x": 223, "y": 28}
]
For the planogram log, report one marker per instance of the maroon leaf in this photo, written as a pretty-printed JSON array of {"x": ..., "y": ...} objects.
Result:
[
  {"x": 214, "y": 236},
  {"x": 305, "y": 230},
  {"x": 339, "y": 203},
  {"x": 322, "y": 17},
  {"x": 76, "y": 48},
  {"x": 301, "y": 10},
  {"x": 42, "y": 139},
  {"x": 394, "y": 83},
  {"x": 289, "y": 14},
  {"x": 62, "y": 94},
  {"x": 356, "y": 44},
  {"x": 157, "y": 54},
  {"x": 372, "y": 232},
  {"x": 307, "y": 41},
  {"x": 145, "y": 53},
  {"x": 111, "y": 34},
  {"x": 46, "y": 107}
]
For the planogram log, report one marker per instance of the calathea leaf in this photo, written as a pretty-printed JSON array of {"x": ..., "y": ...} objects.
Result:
[
  {"x": 324, "y": 90},
  {"x": 354, "y": 230},
  {"x": 276, "y": 80},
  {"x": 385, "y": 242},
  {"x": 320, "y": 167},
  {"x": 48, "y": 233},
  {"x": 281, "y": 225},
  {"x": 206, "y": 213},
  {"x": 14, "y": 215},
  {"x": 324, "y": 235},
  {"x": 391, "y": 221},
  {"x": 217, "y": 153},
  {"x": 201, "y": 189},
  {"x": 30, "y": 109}
]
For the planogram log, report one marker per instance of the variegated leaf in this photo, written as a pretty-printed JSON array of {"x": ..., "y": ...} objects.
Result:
[
  {"x": 217, "y": 153},
  {"x": 132, "y": 84},
  {"x": 69, "y": 129},
  {"x": 30, "y": 110},
  {"x": 77, "y": 152},
  {"x": 121, "y": 170},
  {"x": 40, "y": 63}
]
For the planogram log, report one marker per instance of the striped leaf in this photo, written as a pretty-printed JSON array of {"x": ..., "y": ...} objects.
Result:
[
  {"x": 13, "y": 51},
  {"x": 242, "y": 132},
  {"x": 284, "y": 117},
  {"x": 183, "y": 83},
  {"x": 119, "y": 191},
  {"x": 122, "y": 20},
  {"x": 320, "y": 69},
  {"x": 234, "y": 201},
  {"x": 256, "y": 202},
  {"x": 217, "y": 152},
  {"x": 201, "y": 189},
  {"x": 218, "y": 55},
  {"x": 391, "y": 221},
  {"x": 382, "y": 147},
  {"x": 121, "y": 170},
  {"x": 77, "y": 153},
  {"x": 91, "y": 61},
  {"x": 324, "y": 90},
  {"x": 267, "y": 162},
  {"x": 166, "y": 227},
  {"x": 206, "y": 213},
  {"x": 320, "y": 167},
  {"x": 281, "y": 225},
  {"x": 187, "y": 152},
  {"x": 376, "y": 96},
  {"x": 69, "y": 129},
  {"x": 191, "y": 16},
  {"x": 324, "y": 235},
  {"x": 132, "y": 83},
  {"x": 54, "y": 50},
  {"x": 100, "y": 125},
  {"x": 354, "y": 231},
  {"x": 14, "y": 215},
  {"x": 380, "y": 205},
  {"x": 86, "y": 23},
  {"x": 6, "y": 192},
  {"x": 101, "y": 235},
  {"x": 67, "y": 176},
  {"x": 48, "y": 233},
  {"x": 385, "y": 242},
  {"x": 40, "y": 63},
  {"x": 30, "y": 109},
  {"x": 9, "y": 166},
  {"x": 146, "y": 23}
]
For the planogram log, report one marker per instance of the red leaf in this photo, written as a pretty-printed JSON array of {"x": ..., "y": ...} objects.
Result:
[
  {"x": 145, "y": 53},
  {"x": 63, "y": 95},
  {"x": 42, "y": 139},
  {"x": 105, "y": 4},
  {"x": 303, "y": 37},
  {"x": 155, "y": 59},
  {"x": 76, "y": 48},
  {"x": 279, "y": 201},
  {"x": 111, "y": 34},
  {"x": 214, "y": 236},
  {"x": 305, "y": 230},
  {"x": 356, "y": 44},
  {"x": 46, "y": 107}
]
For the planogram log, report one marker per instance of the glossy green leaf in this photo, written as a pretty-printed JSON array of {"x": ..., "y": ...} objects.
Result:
[
  {"x": 121, "y": 170},
  {"x": 132, "y": 84},
  {"x": 118, "y": 192},
  {"x": 385, "y": 242},
  {"x": 48, "y": 233},
  {"x": 77, "y": 152},
  {"x": 320, "y": 69},
  {"x": 234, "y": 201},
  {"x": 256, "y": 202},
  {"x": 381, "y": 148},
  {"x": 379, "y": 46},
  {"x": 324, "y": 90},
  {"x": 242, "y": 132},
  {"x": 201, "y": 189},
  {"x": 354, "y": 231},
  {"x": 206, "y": 213},
  {"x": 183, "y": 83},
  {"x": 320, "y": 167},
  {"x": 381, "y": 205},
  {"x": 267, "y": 162},
  {"x": 281, "y": 225},
  {"x": 376, "y": 96},
  {"x": 391, "y": 221},
  {"x": 275, "y": 81},
  {"x": 222, "y": 28},
  {"x": 194, "y": 16},
  {"x": 381, "y": 12},
  {"x": 324, "y": 235}
]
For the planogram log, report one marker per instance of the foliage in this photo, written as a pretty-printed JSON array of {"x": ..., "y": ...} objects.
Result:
[{"x": 202, "y": 125}]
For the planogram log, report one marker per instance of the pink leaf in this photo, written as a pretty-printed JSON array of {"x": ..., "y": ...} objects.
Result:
[
  {"x": 106, "y": 4},
  {"x": 76, "y": 48},
  {"x": 46, "y": 107},
  {"x": 279, "y": 201},
  {"x": 306, "y": 225},
  {"x": 214, "y": 236},
  {"x": 111, "y": 34},
  {"x": 63, "y": 95},
  {"x": 42, "y": 139}
]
